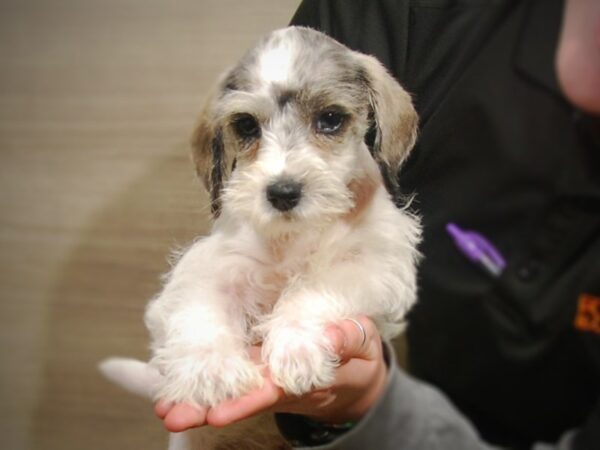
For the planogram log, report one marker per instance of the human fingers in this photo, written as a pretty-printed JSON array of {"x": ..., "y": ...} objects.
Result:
[
  {"x": 247, "y": 405},
  {"x": 359, "y": 380},
  {"x": 181, "y": 416},
  {"x": 162, "y": 408},
  {"x": 355, "y": 338}
]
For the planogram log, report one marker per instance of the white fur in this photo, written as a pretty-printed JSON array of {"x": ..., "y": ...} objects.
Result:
[
  {"x": 279, "y": 278},
  {"x": 276, "y": 64},
  {"x": 135, "y": 376}
]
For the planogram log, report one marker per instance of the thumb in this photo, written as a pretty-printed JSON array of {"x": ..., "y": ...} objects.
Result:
[{"x": 355, "y": 338}]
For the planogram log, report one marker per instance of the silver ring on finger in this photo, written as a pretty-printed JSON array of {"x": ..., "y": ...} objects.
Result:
[{"x": 362, "y": 330}]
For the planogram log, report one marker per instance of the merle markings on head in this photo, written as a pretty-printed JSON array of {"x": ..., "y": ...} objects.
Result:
[{"x": 300, "y": 129}]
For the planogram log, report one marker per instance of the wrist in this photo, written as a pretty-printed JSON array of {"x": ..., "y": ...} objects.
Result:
[
  {"x": 324, "y": 425},
  {"x": 363, "y": 405},
  {"x": 356, "y": 410},
  {"x": 321, "y": 429}
]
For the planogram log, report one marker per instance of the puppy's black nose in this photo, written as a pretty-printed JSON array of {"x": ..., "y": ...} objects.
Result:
[{"x": 284, "y": 194}]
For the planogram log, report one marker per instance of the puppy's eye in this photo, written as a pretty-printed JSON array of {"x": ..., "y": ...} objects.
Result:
[
  {"x": 246, "y": 126},
  {"x": 329, "y": 122}
]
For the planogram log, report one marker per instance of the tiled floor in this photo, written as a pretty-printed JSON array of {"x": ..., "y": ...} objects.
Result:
[{"x": 97, "y": 100}]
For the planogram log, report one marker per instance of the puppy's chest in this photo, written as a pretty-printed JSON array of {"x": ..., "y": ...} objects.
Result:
[
  {"x": 266, "y": 282},
  {"x": 285, "y": 270}
]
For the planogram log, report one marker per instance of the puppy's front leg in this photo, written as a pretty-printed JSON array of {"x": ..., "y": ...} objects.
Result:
[
  {"x": 295, "y": 346},
  {"x": 199, "y": 331},
  {"x": 299, "y": 355}
]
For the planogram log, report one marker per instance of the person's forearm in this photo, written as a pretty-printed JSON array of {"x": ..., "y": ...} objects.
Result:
[{"x": 409, "y": 415}]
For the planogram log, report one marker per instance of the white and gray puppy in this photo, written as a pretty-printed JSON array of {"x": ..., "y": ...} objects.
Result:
[{"x": 299, "y": 147}]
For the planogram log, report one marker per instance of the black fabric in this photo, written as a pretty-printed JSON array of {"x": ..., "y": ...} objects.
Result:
[{"x": 500, "y": 151}]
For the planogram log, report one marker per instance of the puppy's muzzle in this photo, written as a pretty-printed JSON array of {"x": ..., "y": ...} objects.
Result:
[{"x": 284, "y": 195}]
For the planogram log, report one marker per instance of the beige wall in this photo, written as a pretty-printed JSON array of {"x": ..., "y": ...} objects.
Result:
[{"x": 97, "y": 100}]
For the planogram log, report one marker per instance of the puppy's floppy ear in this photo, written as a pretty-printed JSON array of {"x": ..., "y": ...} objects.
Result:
[
  {"x": 394, "y": 121},
  {"x": 208, "y": 154}
]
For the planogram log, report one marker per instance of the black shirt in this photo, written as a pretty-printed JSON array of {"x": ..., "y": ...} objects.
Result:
[{"x": 501, "y": 152}]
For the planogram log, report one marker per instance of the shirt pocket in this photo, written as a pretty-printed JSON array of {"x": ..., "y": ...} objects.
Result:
[{"x": 534, "y": 301}]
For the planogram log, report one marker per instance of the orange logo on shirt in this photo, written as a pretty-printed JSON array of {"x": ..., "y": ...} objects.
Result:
[{"x": 588, "y": 313}]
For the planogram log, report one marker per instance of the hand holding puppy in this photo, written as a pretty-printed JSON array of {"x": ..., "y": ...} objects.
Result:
[{"x": 360, "y": 380}]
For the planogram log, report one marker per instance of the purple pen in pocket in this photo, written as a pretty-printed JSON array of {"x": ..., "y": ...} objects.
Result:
[{"x": 477, "y": 249}]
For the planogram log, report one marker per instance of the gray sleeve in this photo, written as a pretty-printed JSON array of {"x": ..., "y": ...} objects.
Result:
[
  {"x": 409, "y": 415},
  {"x": 414, "y": 416},
  {"x": 566, "y": 442}
]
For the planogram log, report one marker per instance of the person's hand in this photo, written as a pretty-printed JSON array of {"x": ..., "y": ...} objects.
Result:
[{"x": 360, "y": 381}]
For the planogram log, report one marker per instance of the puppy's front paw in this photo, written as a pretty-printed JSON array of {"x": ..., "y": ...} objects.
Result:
[
  {"x": 300, "y": 359},
  {"x": 205, "y": 377}
]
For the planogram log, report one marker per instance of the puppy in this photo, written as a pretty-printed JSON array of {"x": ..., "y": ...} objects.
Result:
[{"x": 298, "y": 147}]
